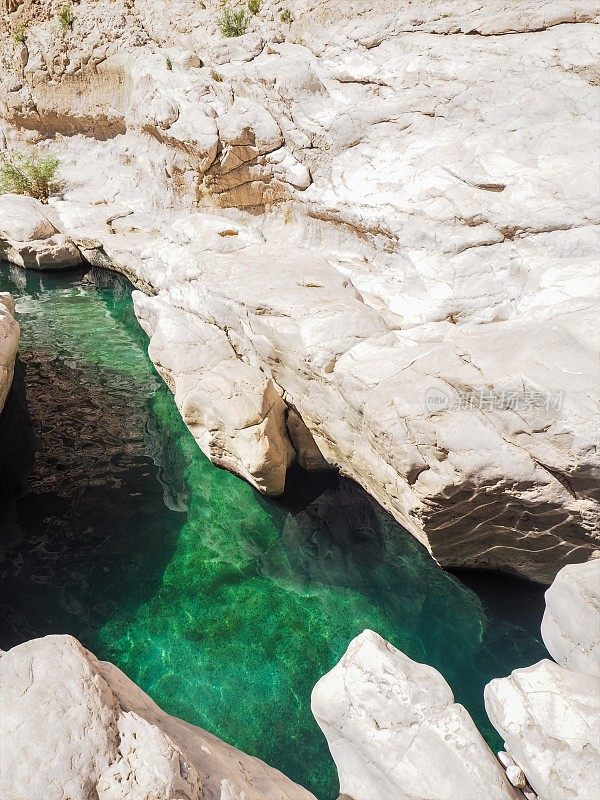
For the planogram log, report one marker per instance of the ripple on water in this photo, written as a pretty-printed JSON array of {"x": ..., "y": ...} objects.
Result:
[{"x": 224, "y": 606}]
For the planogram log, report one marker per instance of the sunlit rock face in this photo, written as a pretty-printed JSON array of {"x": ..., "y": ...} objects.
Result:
[
  {"x": 394, "y": 730},
  {"x": 72, "y": 726},
  {"x": 571, "y": 623},
  {"x": 9, "y": 342},
  {"x": 548, "y": 714},
  {"x": 384, "y": 211},
  {"x": 29, "y": 239},
  {"x": 550, "y": 720}
]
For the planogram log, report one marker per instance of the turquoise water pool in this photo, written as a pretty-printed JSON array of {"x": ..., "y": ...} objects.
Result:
[{"x": 224, "y": 606}]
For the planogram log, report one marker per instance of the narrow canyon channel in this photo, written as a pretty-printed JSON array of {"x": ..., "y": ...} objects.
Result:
[{"x": 224, "y": 606}]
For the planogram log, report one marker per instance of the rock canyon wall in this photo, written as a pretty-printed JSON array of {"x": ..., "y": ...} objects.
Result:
[{"x": 364, "y": 238}]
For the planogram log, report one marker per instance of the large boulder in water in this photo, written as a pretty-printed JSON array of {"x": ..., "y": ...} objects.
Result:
[
  {"x": 571, "y": 623},
  {"x": 394, "y": 730},
  {"x": 549, "y": 718},
  {"x": 75, "y": 727}
]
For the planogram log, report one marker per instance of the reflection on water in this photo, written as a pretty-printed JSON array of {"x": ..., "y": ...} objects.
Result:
[{"x": 224, "y": 606}]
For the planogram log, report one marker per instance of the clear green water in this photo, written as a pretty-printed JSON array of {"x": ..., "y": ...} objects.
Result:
[{"x": 224, "y": 606}]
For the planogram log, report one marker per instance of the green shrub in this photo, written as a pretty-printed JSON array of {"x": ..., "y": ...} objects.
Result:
[
  {"x": 168, "y": 63},
  {"x": 234, "y": 22},
  {"x": 287, "y": 16},
  {"x": 28, "y": 173},
  {"x": 19, "y": 34},
  {"x": 216, "y": 76},
  {"x": 254, "y": 6},
  {"x": 66, "y": 17}
]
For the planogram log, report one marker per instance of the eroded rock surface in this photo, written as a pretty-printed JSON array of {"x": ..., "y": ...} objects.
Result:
[
  {"x": 9, "y": 342},
  {"x": 550, "y": 720},
  {"x": 72, "y": 726},
  {"x": 394, "y": 730},
  {"x": 391, "y": 214},
  {"x": 549, "y": 714},
  {"x": 571, "y": 623},
  {"x": 29, "y": 239}
]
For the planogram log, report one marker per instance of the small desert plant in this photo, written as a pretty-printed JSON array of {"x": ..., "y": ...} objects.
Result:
[
  {"x": 216, "y": 76},
  {"x": 287, "y": 16},
  {"x": 254, "y": 6},
  {"x": 28, "y": 173},
  {"x": 233, "y": 22},
  {"x": 66, "y": 17},
  {"x": 19, "y": 34},
  {"x": 169, "y": 63}
]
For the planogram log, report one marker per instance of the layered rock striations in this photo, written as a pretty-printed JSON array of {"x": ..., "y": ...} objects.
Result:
[
  {"x": 72, "y": 726},
  {"x": 367, "y": 238}
]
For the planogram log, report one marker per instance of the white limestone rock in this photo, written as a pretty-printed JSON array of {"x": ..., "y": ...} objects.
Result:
[
  {"x": 234, "y": 411},
  {"x": 72, "y": 726},
  {"x": 427, "y": 164},
  {"x": 28, "y": 238},
  {"x": 394, "y": 730},
  {"x": 9, "y": 343},
  {"x": 24, "y": 219},
  {"x": 549, "y": 718},
  {"x": 571, "y": 623}
]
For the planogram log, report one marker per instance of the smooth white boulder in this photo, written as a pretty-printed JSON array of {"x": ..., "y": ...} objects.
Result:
[
  {"x": 9, "y": 343},
  {"x": 74, "y": 727},
  {"x": 394, "y": 730},
  {"x": 571, "y": 622},
  {"x": 24, "y": 219},
  {"x": 549, "y": 718},
  {"x": 28, "y": 238}
]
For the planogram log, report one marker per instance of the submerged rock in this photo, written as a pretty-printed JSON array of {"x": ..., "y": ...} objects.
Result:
[
  {"x": 9, "y": 342},
  {"x": 571, "y": 623},
  {"x": 72, "y": 726},
  {"x": 394, "y": 730}
]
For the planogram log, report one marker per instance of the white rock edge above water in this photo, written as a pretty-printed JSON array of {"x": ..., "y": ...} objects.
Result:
[
  {"x": 382, "y": 211},
  {"x": 75, "y": 727},
  {"x": 549, "y": 714},
  {"x": 394, "y": 730},
  {"x": 9, "y": 343}
]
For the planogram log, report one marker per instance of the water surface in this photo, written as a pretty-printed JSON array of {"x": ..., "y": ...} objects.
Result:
[{"x": 224, "y": 606}]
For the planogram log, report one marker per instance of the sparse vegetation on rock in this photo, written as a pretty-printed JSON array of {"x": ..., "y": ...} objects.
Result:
[
  {"x": 254, "y": 6},
  {"x": 28, "y": 173},
  {"x": 19, "y": 34},
  {"x": 287, "y": 16},
  {"x": 66, "y": 17},
  {"x": 234, "y": 22}
]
